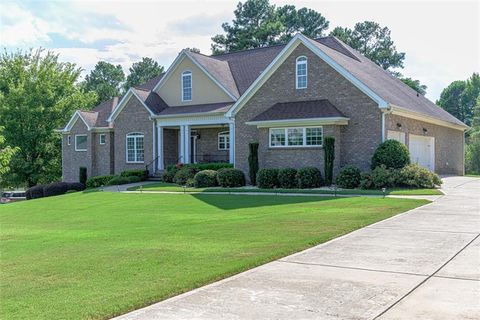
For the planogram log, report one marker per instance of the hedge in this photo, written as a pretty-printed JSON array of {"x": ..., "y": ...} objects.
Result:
[
  {"x": 53, "y": 189},
  {"x": 287, "y": 178},
  {"x": 142, "y": 174},
  {"x": 309, "y": 177},
  {"x": 349, "y": 177},
  {"x": 184, "y": 174},
  {"x": 99, "y": 181},
  {"x": 267, "y": 178},
  {"x": 205, "y": 178},
  {"x": 200, "y": 166}
]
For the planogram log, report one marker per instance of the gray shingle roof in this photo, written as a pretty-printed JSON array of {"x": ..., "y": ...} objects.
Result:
[
  {"x": 151, "y": 99},
  {"x": 98, "y": 116},
  {"x": 199, "y": 108},
  {"x": 312, "y": 109}
]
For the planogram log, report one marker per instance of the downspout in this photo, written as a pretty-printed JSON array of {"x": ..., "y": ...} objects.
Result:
[{"x": 384, "y": 111}]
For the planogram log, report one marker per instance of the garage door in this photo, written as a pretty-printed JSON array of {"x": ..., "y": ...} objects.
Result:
[{"x": 422, "y": 151}]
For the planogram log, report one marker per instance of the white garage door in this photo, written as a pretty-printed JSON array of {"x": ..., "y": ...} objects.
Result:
[{"x": 422, "y": 151}]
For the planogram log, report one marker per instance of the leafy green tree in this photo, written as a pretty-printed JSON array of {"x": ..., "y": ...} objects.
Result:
[
  {"x": 6, "y": 154},
  {"x": 451, "y": 99},
  {"x": 106, "y": 80},
  {"x": 257, "y": 23},
  {"x": 142, "y": 71},
  {"x": 415, "y": 85},
  {"x": 374, "y": 42},
  {"x": 38, "y": 94},
  {"x": 472, "y": 150},
  {"x": 307, "y": 21}
]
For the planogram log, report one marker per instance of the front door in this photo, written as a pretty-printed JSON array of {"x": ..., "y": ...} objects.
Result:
[{"x": 193, "y": 149}]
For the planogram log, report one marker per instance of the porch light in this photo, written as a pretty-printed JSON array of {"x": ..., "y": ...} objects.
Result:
[
  {"x": 424, "y": 130},
  {"x": 399, "y": 125}
]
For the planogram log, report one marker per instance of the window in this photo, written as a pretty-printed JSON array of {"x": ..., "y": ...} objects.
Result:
[
  {"x": 296, "y": 137},
  {"x": 135, "y": 149},
  {"x": 187, "y": 86},
  {"x": 102, "y": 138},
  {"x": 396, "y": 135},
  {"x": 224, "y": 140},
  {"x": 69, "y": 139},
  {"x": 301, "y": 72},
  {"x": 80, "y": 142}
]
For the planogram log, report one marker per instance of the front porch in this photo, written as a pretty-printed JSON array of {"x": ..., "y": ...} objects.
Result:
[{"x": 192, "y": 143}]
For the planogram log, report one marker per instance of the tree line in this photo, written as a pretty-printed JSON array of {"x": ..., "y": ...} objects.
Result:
[{"x": 38, "y": 93}]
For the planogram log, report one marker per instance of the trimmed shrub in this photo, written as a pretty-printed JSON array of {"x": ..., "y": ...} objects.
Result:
[
  {"x": 366, "y": 180},
  {"x": 267, "y": 178},
  {"x": 82, "y": 175},
  {"x": 349, "y": 177},
  {"x": 230, "y": 178},
  {"x": 309, "y": 177},
  {"x": 34, "y": 192},
  {"x": 169, "y": 175},
  {"x": 392, "y": 154},
  {"x": 383, "y": 177},
  {"x": 415, "y": 176},
  {"x": 99, "y": 181},
  {"x": 329, "y": 150},
  {"x": 133, "y": 179},
  {"x": 117, "y": 180},
  {"x": 205, "y": 178},
  {"x": 55, "y": 189},
  {"x": 183, "y": 175},
  {"x": 142, "y": 174},
  {"x": 253, "y": 162},
  {"x": 287, "y": 178},
  {"x": 77, "y": 186},
  {"x": 190, "y": 183}
]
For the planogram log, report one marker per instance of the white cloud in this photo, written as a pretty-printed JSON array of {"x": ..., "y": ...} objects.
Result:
[{"x": 441, "y": 39}]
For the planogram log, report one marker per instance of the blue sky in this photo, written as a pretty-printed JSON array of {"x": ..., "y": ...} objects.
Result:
[{"x": 441, "y": 39}]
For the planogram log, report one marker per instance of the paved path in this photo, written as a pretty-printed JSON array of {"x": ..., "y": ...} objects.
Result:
[{"x": 423, "y": 264}]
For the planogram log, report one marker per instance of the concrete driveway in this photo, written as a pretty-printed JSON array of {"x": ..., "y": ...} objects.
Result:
[{"x": 423, "y": 264}]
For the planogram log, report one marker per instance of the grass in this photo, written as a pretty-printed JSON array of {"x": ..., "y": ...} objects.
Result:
[
  {"x": 171, "y": 187},
  {"x": 95, "y": 255}
]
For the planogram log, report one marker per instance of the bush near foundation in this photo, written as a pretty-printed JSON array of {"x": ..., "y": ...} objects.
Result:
[
  {"x": 205, "y": 179},
  {"x": 287, "y": 178},
  {"x": 267, "y": 178},
  {"x": 349, "y": 177},
  {"x": 230, "y": 178},
  {"x": 392, "y": 154},
  {"x": 309, "y": 177}
]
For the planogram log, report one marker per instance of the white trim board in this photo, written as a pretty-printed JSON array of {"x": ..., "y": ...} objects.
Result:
[
  {"x": 72, "y": 122},
  {"x": 399, "y": 111},
  {"x": 300, "y": 122},
  {"x": 283, "y": 55}
]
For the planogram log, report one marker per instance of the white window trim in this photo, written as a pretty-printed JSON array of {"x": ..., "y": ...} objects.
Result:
[
  {"x": 100, "y": 138},
  {"x": 80, "y": 135},
  {"x": 191, "y": 85},
  {"x": 304, "y": 145},
  {"x": 225, "y": 134},
  {"x": 69, "y": 139},
  {"x": 135, "y": 135},
  {"x": 296, "y": 72}
]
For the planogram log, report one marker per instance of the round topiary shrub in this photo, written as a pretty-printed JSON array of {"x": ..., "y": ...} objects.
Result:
[
  {"x": 230, "y": 178},
  {"x": 287, "y": 178},
  {"x": 205, "y": 178},
  {"x": 309, "y": 177},
  {"x": 349, "y": 177},
  {"x": 392, "y": 154},
  {"x": 267, "y": 178},
  {"x": 182, "y": 175}
]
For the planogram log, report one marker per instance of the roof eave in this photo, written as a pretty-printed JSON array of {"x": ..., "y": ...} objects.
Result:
[{"x": 300, "y": 122}]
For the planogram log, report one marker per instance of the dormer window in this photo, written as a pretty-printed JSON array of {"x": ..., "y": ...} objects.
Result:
[
  {"x": 187, "y": 86},
  {"x": 301, "y": 72}
]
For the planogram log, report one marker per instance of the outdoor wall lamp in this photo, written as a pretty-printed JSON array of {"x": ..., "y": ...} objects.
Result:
[
  {"x": 399, "y": 125},
  {"x": 425, "y": 130}
]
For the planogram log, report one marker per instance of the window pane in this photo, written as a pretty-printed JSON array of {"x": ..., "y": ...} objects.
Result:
[
  {"x": 277, "y": 137},
  {"x": 314, "y": 136},
  {"x": 302, "y": 81},
  {"x": 295, "y": 136},
  {"x": 81, "y": 142},
  {"x": 140, "y": 155},
  {"x": 187, "y": 86}
]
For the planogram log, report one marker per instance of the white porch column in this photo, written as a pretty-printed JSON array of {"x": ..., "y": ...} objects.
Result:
[
  {"x": 160, "y": 161},
  {"x": 231, "y": 127},
  {"x": 185, "y": 143}
]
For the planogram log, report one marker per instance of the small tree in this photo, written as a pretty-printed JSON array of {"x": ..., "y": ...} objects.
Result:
[
  {"x": 329, "y": 150},
  {"x": 392, "y": 154},
  {"x": 253, "y": 162}
]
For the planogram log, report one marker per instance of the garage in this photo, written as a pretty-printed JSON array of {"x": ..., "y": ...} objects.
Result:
[{"x": 422, "y": 151}]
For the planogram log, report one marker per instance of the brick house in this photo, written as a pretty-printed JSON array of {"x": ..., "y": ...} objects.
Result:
[{"x": 287, "y": 97}]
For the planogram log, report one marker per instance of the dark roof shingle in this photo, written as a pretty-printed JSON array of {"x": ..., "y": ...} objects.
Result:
[
  {"x": 199, "y": 108},
  {"x": 311, "y": 109}
]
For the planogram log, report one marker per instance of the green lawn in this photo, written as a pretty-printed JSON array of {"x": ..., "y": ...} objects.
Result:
[
  {"x": 164, "y": 186},
  {"x": 99, "y": 254}
]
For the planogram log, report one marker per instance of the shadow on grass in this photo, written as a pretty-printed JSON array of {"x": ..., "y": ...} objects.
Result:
[{"x": 233, "y": 202}]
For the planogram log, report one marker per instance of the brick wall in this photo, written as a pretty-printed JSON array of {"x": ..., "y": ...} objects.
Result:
[
  {"x": 72, "y": 160},
  {"x": 449, "y": 147},
  {"x": 355, "y": 142}
]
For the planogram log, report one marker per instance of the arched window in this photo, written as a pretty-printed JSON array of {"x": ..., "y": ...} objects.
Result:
[
  {"x": 224, "y": 140},
  {"x": 187, "y": 86},
  {"x": 301, "y": 72},
  {"x": 135, "y": 147}
]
